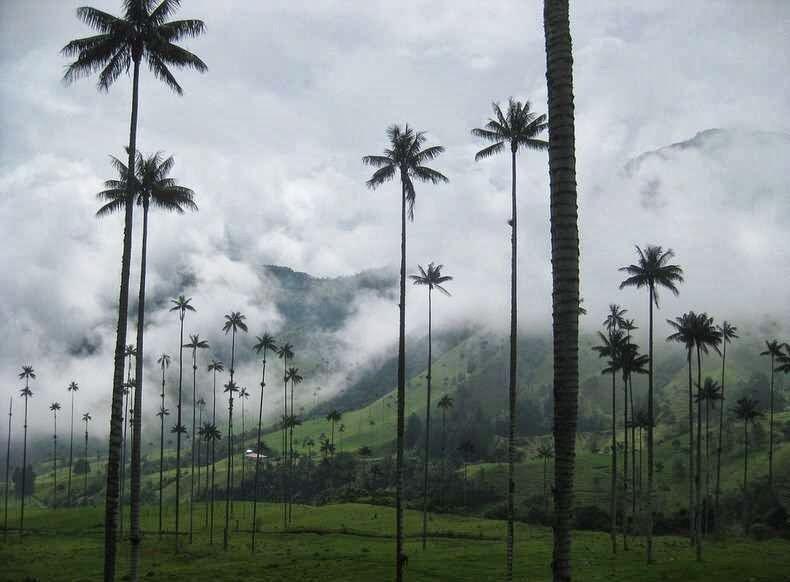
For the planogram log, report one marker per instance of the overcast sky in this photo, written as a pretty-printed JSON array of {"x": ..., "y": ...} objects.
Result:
[{"x": 271, "y": 140}]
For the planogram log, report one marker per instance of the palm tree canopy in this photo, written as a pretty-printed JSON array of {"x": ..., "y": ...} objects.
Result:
[
  {"x": 196, "y": 343},
  {"x": 710, "y": 391},
  {"x": 519, "y": 126},
  {"x": 182, "y": 304},
  {"x": 231, "y": 387},
  {"x": 26, "y": 393},
  {"x": 243, "y": 392},
  {"x": 55, "y": 406},
  {"x": 432, "y": 277},
  {"x": 86, "y": 417},
  {"x": 746, "y": 410},
  {"x": 545, "y": 452},
  {"x": 216, "y": 366},
  {"x": 784, "y": 361},
  {"x": 728, "y": 331},
  {"x": 293, "y": 375},
  {"x": 683, "y": 327},
  {"x": 163, "y": 360},
  {"x": 335, "y": 416},
  {"x": 445, "y": 402},
  {"x": 234, "y": 322},
  {"x": 706, "y": 333},
  {"x": 772, "y": 348},
  {"x": 73, "y": 387},
  {"x": 264, "y": 342},
  {"x": 27, "y": 372},
  {"x": 163, "y": 412},
  {"x": 611, "y": 345},
  {"x": 406, "y": 154},
  {"x": 615, "y": 319},
  {"x": 285, "y": 351},
  {"x": 141, "y": 33},
  {"x": 653, "y": 270}
]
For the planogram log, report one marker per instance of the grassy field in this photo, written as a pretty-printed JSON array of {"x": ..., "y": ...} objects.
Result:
[{"x": 352, "y": 542}]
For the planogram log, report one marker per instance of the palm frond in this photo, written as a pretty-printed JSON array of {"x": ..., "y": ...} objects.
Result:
[{"x": 489, "y": 151}]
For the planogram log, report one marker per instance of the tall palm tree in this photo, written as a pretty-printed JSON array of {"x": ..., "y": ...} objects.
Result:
[
  {"x": 54, "y": 407},
  {"x": 631, "y": 362},
  {"x": 610, "y": 347},
  {"x": 285, "y": 353},
  {"x": 122, "y": 43},
  {"x": 131, "y": 352},
  {"x": 181, "y": 304},
  {"x": 333, "y": 417},
  {"x": 7, "y": 466},
  {"x": 545, "y": 453},
  {"x": 406, "y": 156},
  {"x": 195, "y": 344},
  {"x": 445, "y": 403},
  {"x": 163, "y": 412},
  {"x": 296, "y": 378},
  {"x": 431, "y": 278},
  {"x": 27, "y": 374},
  {"x": 683, "y": 333},
  {"x": 234, "y": 322},
  {"x": 520, "y": 128},
  {"x": 211, "y": 435},
  {"x": 263, "y": 343},
  {"x": 243, "y": 395},
  {"x": 653, "y": 271},
  {"x": 728, "y": 333},
  {"x": 746, "y": 410},
  {"x": 86, "y": 418},
  {"x": 214, "y": 367},
  {"x": 565, "y": 271},
  {"x": 710, "y": 394},
  {"x": 230, "y": 388},
  {"x": 466, "y": 449},
  {"x": 72, "y": 388},
  {"x": 201, "y": 406},
  {"x": 772, "y": 350}
]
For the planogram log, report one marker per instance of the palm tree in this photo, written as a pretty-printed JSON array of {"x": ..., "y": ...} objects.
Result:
[
  {"x": 520, "y": 128},
  {"x": 295, "y": 378},
  {"x": 86, "y": 418},
  {"x": 772, "y": 350},
  {"x": 728, "y": 333},
  {"x": 683, "y": 327},
  {"x": 407, "y": 157},
  {"x": 243, "y": 395},
  {"x": 285, "y": 353},
  {"x": 7, "y": 466},
  {"x": 201, "y": 406},
  {"x": 746, "y": 410},
  {"x": 234, "y": 322},
  {"x": 610, "y": 347},
  {"x": 709, "y": 393},
  {"x": 631, "y": 362},
  {"x": 26, "y": 374},
  {"x": 54, "y": 407},
  {"x": 181, "y": 304},
  {"x": 142, "y": 32},
  {"x": 211, "y": 435},
  {"x": 263, "y": 343},
  {"x": 230, "y": 388},
  {"x": 195, "y": 344},
  {"x": 333, "y": 417},
  {"x": 130, "y": 352},
  {"x": 445, "y": 403},
  {"x": 161, "y": 414},
  {"x": 72, "y": 388},
  {"x": 652, "y": 270},
  {"x": 466, "y": 449},
  {"x": 214, "y": 367},
  {"x": 433, "y": 279},
  {"x": 545, "y": 453}
]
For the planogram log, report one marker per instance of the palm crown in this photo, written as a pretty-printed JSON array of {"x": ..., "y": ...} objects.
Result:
[
  {"x": 182, "y": 305},
  {"x": 196, "y": 343},
  {"x": 293, "y": 375},
  {"x": 231, "y": 387},
  {"x": 710, "y": 391},
  {"x": 142, "y": 32},
  {"x": 86, "y": 417},
  {"x": 746, "y": 410},
  {"x": 285, "y": 351},
  {"x": 234, "y": 322},
  {"x": 264, "y": 342},
  {"x": 772, "y": 348},
  {"x": 445, "y": 402},
  {"x": 216, "y": 366},
  {"x": 55, "y": 406},
  {"x": 334, "y": 416},
  {"x": 432, "y": 278},
  {"x": 728, "y": 332},
  {"x": 406, "y": 154},
  {"x": 73, "y": 387},
  {"x": 706, "y": 334},
  {"x": 27, "y": 372},
  {"x": 652, "y": 270},
  {"x": 163, "y": 360},
  {"x": 615, "y": 319},
  {"x": 683, "y": 327},
  {"x": 26, "y": 392},
  {"x": 519, "y": 126},
  {"x": 163, "y": 412}
]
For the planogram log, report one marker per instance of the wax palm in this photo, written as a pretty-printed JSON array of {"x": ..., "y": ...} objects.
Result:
[
  {"x": 772, "y": 350},
  {"x": 182, "y": 305},
  {"x": 195, "y": 343},
  {"x": 243, "y": 396},
  {"x": 333, "y": 417},
  {"x": 728, "y": 333},
  {"x": 709, "y": 394},
  {"x": 295, "y": 378},
  {"x": 27, "y": 374},
  {"x": 141, "y": 33},
  {"x": 264, "y": 343},
  {"x": 86, "y": 418},
  {"x": 653, "y": 271},
  {"x": 407, "y": 157},
  {"x": 163, "y": 412},
  {"x": 72, "y": 388},
  {"x": 746, "y": 410},
  {"x": 285, "y": 353},
  {"x": 631, "y": 362},
  {"x": 214, "y": 367},
  {"x": 211, "y": 435},
  {"x": 201, "y": 406},
  {"x": 683, "y": 333},
  {"x": 431, "y": 278},
  {"x": 520, "y": 128},
  {"x": 230, "y": 390},
  {"x": 545, "y": 453},
  {"x": 54, "y": 408}
]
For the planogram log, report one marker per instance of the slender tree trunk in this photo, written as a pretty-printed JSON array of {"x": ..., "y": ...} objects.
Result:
[
  {"x": 651, "y": 419},
  {"x": 71, "y": 450},
  {"x": 291, "y": 456},
  {"x": 7, "y": 465},
  {"x": 698, "y": 473},
  {"x": 400, "y": 556},
  {"x": 192, "y": 448},
  {"x": 427, "y": 433},
  {"x": 444, "y": 452},
  {"x": 126, "y": 411},
  {"x": 745, "y": 473},
  {"x": 565, "y": 272},
  {"x": 633, "y": 446},
  {"x": 213, "y": 489},
  {"x": 771, "y": 430},
  {"x": 717, "y": 520},
  {"x": 692, "y": 527},
  {"x": 55, "y": 462},
  {"x": 512, "y": 388},
  {"x": 112, "y": 499},
  {"x": 136, "y": 535},
  {"x": 181, "y": 314},
  {"x": 230, "y": 444},
  {"x": 161, "y": 451},
  {"x": 258, "y": 456},
  {"x": 283, "y": 437},
  {"x": 200, "y": 424},
  {"x": 85, "y": 484},
  {"x": 24, "y": 471},
  {"x": 706, "y": 503},
  {"x": 613, "y": 485},
  {"x": 625, "y": 465}
]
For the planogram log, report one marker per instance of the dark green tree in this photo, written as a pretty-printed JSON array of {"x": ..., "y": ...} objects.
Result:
[
  {"x": 26, "y": 374},
  {"x": 54, "y": 408},
  {"x": 264, "y": 343},
  {"x": 72, "y": 388},
  {"x": 772, "y": 350},
  {"x": 728, "y": 333},
  {"x": 195, "y": 344}
]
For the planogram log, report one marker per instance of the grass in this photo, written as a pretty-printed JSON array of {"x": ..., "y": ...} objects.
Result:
[{"x": 352, "y": 542}]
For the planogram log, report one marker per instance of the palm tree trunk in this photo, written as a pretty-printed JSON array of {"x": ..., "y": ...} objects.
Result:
[
  {"x": 24, "y": 471},
  {"x": 230, "y": 444},
  {"x": 136, "y": 535},
  {"x": 71, "y": 450},
  {"x": 197, "y": 442},
  {"x": 633, "y": 446},
  {"x": 625, "y": 465},
  {"x": 7, "y": 466},
  {"x": 698, "y": 472},
  {"x": 178, "y": 427},
  {"x": 192, "y": 448},
  {"x": 283, "y": 437},
  {"x": 565, "y": 272},
  {"x": 706, "y": 503},
  {"x": 650, "y": 428},
  {"x": 55, "y": 462},
  {"x": 718, "y": 443},
  {"x": 258, "y": 456},
  {"x": 427, "y": 433},
  {"x": 291, "y": 456},
  {"x": 511, "y": 440},
  {"x": 692, "y": 528},
  {"x": 444, "y": 451},
  {"x": 213, "y": 489},
  {"x": 125, "y": 445},
  {"x": 161, "y": 453},
  {"x": 745, "y": 470},
  {"x": 400, "y": 557},
  {"x": 85, "y": 484},
  {"x": 112, "y": 498},
  {"x": 771, "y": 430},
  {"x": 613, "y": 485}
]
